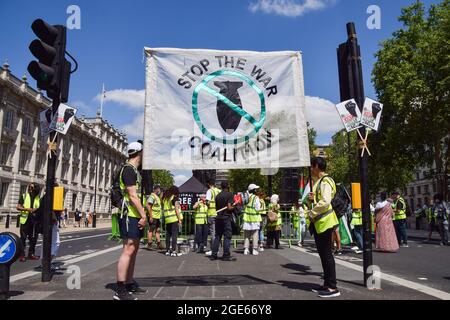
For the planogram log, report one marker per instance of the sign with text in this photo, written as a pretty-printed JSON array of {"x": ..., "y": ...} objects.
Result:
[
  {"x": 350, "y": 114},
  {"x": 371, "y": 114},
  {"x": 63, "y": 118},
  {"x": 45, "y": 119},
  {"x": 211, "y": 109}
]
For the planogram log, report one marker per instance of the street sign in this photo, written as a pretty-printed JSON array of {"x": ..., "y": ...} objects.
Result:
[
  {"x": 350, "y": 114},
  {"x": 9, "y": 250},
  {"x": 63, "y": 118}
]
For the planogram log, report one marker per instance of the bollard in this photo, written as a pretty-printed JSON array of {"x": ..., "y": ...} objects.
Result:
[
  {"x": 7, "y": 221},
  {"x": 18, "y": 220},
  {"x": 94, "y": 220}
]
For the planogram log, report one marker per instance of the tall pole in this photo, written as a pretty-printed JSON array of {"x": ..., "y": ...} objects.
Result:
[
  {"x": 269, "y": 184},
  {"x": 102, "y": 99},
  {"x": 358, "y": 95},
  {"x": 48, "y": 205}
]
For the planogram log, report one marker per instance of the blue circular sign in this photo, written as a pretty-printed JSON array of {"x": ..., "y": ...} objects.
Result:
[{"x": 8, "y": 248}]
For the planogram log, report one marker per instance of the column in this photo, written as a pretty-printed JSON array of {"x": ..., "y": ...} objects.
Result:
[
  {"x": 34, "y": 150},
  {"x": 60, "y": 160},
  {"x": 2, "y": 111},
  {"x": 70, "y": 171},
  {"x": 18, "y": 145}
]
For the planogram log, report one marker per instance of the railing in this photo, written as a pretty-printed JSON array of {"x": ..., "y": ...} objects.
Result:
[{"x": 186, "y": 232}]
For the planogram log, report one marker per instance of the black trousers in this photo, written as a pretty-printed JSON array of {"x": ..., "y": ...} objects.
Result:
[
  {"x": 273, "y": 235},
  {"x": 172, "y": 234},
  {"x": 223, "y": 229},
  {"x": 28, "y": 230},
  {"x": 324, "y": 247},
  {"x": 201, "y": 235}
]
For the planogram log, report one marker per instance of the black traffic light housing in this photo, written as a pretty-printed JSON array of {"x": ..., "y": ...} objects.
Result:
[{"x": 52, "y": 72}]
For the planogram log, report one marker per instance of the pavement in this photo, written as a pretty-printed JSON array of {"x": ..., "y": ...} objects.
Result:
[{"x": 286, "y": 274}]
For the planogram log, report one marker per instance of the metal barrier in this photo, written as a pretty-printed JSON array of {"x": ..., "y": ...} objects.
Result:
[{"x": 289, "y": 232}]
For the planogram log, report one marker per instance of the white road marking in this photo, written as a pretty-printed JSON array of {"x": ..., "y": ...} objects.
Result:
[
  {"x": 81, "y": 238},
  {"x": 28, "y": 274},
  {"x": 181, "y": 265},
  {"x": 185, "y": 292},
  {"x": 213, "y": 292},
  {"x": 158, "y": 292},
  {"x": 240, "y": 292},
  {"x": 423, "y": 279},
  {"x": 403, "y": 282}
]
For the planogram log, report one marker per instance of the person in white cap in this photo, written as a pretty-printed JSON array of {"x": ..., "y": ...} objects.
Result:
[
  {"x": 131, "y": 223},
  {"x": 252, "y": 220}
]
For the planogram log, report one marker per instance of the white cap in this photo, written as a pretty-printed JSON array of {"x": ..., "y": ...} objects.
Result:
[
  {"x": 252, "y": 187},
  {"x": 134, "y": 147}
]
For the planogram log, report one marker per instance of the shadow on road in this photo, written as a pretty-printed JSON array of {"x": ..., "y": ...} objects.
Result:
[{"x": 192, "y": 281}]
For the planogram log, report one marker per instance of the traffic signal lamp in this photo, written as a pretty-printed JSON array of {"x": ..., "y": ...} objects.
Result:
[{"x": 52, "y": 71}]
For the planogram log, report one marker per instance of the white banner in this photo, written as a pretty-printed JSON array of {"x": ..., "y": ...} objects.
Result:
[
  {"x": 350, "y": 114},
  {"x": 63, "y": 118},
  {"x": 209, "y": 109},
  {"x": 371, "y": 114}
]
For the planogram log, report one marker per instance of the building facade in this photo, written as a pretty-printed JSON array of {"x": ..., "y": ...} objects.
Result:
[
  {"x": 421, "y": 189},
  {"x": 23, "y": 151}
]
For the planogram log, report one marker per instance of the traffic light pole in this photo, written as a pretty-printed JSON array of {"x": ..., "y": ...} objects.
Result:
[
  {"x": 48, "y": 204},
  {"x": 358, "y": 95}
]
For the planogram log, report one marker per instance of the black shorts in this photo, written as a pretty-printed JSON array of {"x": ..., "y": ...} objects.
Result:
[
  {"x": 155, "y": 225},
  {"x": 131, "y": 232}
]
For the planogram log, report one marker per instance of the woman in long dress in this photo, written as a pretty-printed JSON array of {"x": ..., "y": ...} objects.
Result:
[{"x": 386, "y": 239}]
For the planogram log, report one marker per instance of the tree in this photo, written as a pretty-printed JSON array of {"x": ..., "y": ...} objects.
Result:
[
  {"x": 342, "y": 159},
  {"x": 412, "y": 80},
  {"x": 163, "y": 177}
]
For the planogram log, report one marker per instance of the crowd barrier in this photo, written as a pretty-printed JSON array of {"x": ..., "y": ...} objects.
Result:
[{"x": 289, "y": 232}]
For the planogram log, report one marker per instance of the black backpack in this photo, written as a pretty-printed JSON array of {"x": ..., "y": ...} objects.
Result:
[
  {"x": 116, "y": 195},
  {"x": 340, "y": 201}
]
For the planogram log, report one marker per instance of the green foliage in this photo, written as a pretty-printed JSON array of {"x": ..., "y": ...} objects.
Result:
[
  {"x": 163, "y": 178},
  {"x": 412, "y": 80},
  {"x": 239, "y": 180},
  {"x": 342, "y": 159}
]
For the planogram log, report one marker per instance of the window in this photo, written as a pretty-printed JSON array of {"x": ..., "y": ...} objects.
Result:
[
  {"x": 23, "y": 189},
  {"x": 417, "y": 175},
  {"x": 419, "y": 202},
  {"x": 419, "y": 190},
  {"x": 26, "y": 130},
  {"x": 425, "y": 189},
  {"x": 434, "y": 187},
  {"x": 9, "y": 119},
  {"x": 4, "y": 153},
  {"x": 3, "y": 192},
  {"x": 23, "y": 159},
  {"x": 411, "y": 191}
]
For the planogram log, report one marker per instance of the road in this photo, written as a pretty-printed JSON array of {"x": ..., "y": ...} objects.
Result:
[{"x": 275, "y": 274}]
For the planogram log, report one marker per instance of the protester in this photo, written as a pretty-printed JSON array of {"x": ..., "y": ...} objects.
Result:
[
  {"x": 28, "y": 204},
  {"x": 336, "y": 241},
  {"x": 154, "y": 211},
  {"x": 77, "y": 217},
  {"x": 295, "y": 220},
  {"x": 252, "y": 220},
  {"x": 399, "y": 207},
  {"x": 357, "y": 227},
  {"x": 274, "y": 227},
  {"x": 211, "y": 202},
  {"x": 65, "y": 218},
  {"x": 263, "y": 213},
  {"x": 172, "y": 220},
  {"x": 385, "y": 238},
  {"x": 304, "y": 222},
  {"x": 441, "y": 212},
  {"x": 201, "y": 224},
  {"x": 324, "y": 220},
  {"x": 431, "y": 218},
  {"x": 132, "y": 222},
  {"x": 224, "y": 202}
]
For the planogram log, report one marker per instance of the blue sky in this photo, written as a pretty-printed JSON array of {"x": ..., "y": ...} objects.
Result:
[{"x": 109, "y": 45}]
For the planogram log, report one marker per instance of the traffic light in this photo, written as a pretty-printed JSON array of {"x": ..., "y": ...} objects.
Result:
[{"x": 52, "y": 72}]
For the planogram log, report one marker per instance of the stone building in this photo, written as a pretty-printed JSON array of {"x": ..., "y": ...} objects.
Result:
[{"x": 23, "y": 150}]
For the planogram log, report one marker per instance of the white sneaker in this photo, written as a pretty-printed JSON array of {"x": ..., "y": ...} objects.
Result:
[
  {"x": 208, "y": 253},
  {"x": 168, "y": 253},
  {"x": 255, "y": 252},
  {"x": 261, "y": 249},
  {"x": 175, "y": 254},
  {"x": 246, "y": 251}
]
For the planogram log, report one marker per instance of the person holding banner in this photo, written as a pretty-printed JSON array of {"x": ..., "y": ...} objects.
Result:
[
  {"x": 274, "y": 223},
  {"x": 252, "y": 220},
  {"x": 132, "y": 222},
  {"x": 263, "y": 212},
  {"x": 211, "y": 195},
  {"x": 172, "y": 219},
  {"x": 324, "y": 221},
  {"x": 201, "y": 223},
  {"x": 399, "y": 207}
]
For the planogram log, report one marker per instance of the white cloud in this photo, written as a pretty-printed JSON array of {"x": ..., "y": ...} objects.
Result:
[
  {"x": 135, "y": 129},
  {"x": 131, "y": 98},
  {"x": 180, "y": 179},
  {"x": 322, "y": 115},
  {"x": 289, "y": 8}
]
